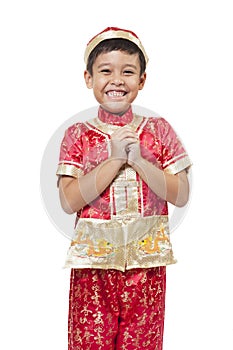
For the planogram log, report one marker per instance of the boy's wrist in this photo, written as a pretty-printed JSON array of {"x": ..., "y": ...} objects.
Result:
[
  {"x": 117, "y": 160},
  {"x": 137, "y": 164}
]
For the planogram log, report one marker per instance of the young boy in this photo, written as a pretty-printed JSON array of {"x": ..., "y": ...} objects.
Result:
[{"x": 118, "y": 171}]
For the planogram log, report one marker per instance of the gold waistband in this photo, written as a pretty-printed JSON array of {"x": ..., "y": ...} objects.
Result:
[
  {"x": 121, "y": 243},
  {"x": 119, "y": 231}
]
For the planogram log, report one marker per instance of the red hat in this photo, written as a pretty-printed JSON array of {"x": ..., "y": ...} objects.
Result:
[{"x": 113, "y": 33}]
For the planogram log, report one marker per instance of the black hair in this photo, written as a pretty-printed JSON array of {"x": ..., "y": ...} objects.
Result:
[{"x": 109, "y": 45}]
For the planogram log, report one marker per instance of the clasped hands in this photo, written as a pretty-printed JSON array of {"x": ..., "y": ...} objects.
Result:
[{"x": 125, "y": 145}]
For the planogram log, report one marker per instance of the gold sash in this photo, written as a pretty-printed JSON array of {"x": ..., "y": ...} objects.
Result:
[{"x": 122, "y": 243}]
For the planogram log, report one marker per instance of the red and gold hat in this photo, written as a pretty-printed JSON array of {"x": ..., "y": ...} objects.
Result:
[{"x": 113, "y": 33}]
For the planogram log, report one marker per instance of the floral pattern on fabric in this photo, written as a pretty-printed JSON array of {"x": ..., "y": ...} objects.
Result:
[{"x": 128, "y": 198}]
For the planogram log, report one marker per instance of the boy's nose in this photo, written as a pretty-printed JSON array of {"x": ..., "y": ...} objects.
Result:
[{"x": 116, "y": 80}]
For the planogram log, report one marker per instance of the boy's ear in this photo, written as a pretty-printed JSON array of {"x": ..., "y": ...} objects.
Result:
[
  {"x": 142, "y": 81},
  {"x": 88, "y": 79}
]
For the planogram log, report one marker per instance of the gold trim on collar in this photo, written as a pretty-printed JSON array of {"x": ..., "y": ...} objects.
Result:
[{"x": 110, "y": 128}]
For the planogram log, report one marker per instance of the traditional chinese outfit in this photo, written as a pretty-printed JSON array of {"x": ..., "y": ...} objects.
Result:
[{"x": 122, "y": 235}]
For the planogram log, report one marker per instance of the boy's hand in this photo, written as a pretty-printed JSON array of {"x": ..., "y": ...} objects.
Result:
[
  {"x": 134, "y": 153},
  {"x": 121, "y": 139}
]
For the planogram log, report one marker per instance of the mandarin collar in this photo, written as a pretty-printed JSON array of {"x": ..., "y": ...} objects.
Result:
[{"x": 115, "y": 119}]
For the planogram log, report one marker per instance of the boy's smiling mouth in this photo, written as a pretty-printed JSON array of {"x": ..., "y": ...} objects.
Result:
[{"x": 116, "y": 93}]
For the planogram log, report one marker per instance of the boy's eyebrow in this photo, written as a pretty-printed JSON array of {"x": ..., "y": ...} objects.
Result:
[
  {"x": 130, "y": 65},
  {"x": 103, "y": 64},
  {"x": 125, "y": 65}
]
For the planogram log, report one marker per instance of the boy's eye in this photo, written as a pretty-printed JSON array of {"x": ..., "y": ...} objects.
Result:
[
  {"x": 128, "y": 72},
  {"x": 105, "y": 71}
]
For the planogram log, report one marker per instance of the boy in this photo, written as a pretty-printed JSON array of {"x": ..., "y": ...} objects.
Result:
[{"x": 117, "y": 171}]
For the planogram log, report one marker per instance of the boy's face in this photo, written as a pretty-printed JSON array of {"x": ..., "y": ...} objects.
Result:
[{"x": 116, "y": 80}]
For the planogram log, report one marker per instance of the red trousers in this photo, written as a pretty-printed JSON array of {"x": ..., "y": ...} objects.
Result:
[{"x": 110, "y": 309}]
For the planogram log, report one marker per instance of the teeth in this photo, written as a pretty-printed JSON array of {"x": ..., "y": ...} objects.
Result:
[{"x": 115, "y": 93}]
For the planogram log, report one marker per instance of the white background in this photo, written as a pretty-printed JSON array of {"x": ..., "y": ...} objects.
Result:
[{"x": 190, "y": 76}]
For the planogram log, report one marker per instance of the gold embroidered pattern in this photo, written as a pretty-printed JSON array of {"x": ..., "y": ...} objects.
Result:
[
  {"x": 69, "y": 170},
  {"x": 110, "y": 128},
  {"x": 121, "y": 243},
  {"x": 179, "y": 165},
  {"x": 102, "y": 301},
  {"x": 124, "y": 193}
]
